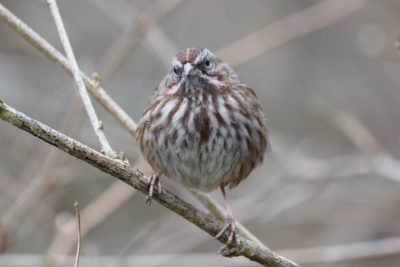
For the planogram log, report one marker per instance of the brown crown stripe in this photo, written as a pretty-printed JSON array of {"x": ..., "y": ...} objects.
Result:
[{"x": 188, "y": 55}]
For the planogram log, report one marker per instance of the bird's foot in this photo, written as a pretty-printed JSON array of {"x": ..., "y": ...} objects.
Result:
[
  {"x": 153, "y": 183},
  {"x": 233, "y": 237}
]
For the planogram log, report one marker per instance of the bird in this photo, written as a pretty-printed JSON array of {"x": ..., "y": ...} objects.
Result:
[{"x": 203, "y": 128}]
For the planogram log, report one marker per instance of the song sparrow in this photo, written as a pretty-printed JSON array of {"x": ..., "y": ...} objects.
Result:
[{"x": 203, "y": 128}]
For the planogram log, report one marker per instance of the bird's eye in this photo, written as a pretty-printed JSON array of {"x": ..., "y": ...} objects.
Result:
[
  {"x": 176, "y": 70},
  {"x": 207, "y": 63}
]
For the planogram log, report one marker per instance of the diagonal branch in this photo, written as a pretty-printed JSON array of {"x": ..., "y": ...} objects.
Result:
[
  {"x": 94, "y": 120},
  {"x": 124, "y": 172},
  {"x": 53, "y": 55}
]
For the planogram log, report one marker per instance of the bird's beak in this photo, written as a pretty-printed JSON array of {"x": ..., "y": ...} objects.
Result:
[{"x": 187, "y": 68}]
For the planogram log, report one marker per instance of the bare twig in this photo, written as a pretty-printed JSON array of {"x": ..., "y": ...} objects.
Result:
[
  {"x": 78, "y": 223},
  {"x": 93, "y": 214},
  {"x": 137, "y": 180},
  {"x": 115, "y": 195},
  {"x": 94, "y": 120},
  {"x": 53, "y": 55},
  {"x": 309, "y": 20},
  {"x": 41, "y": 183}
]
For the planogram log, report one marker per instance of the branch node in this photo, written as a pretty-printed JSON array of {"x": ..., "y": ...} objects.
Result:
[
  {"x": 121, "y": 156},
  {"x": 77, "y": 75},
  {"x": 100, "y": 126},
  {"x": 96, "y": 80},
  {"x": 232, "y": 251}
]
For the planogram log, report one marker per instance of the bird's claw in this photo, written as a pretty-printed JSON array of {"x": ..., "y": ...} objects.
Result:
[
  {"x": 233, "y": 237},
  {"x": 153, "y": 183}
]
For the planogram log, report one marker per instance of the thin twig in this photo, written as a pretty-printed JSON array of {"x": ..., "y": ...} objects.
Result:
[
  {"x": 93, "y": 214},
  {"x": 94, "y": 120},
  {"x": 117, "y": 194},
  {"x": 78, "y": 223},
  {"x": 124, "y": 172},
  {"x": 55, "y": 56},
  {"x": 45, "y": 180}
]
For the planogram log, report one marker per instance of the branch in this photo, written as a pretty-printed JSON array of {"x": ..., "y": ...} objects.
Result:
[
  {"x": 53, "y": 55},
  {"x": 94, "y": 120},
  {"x": 124, "y": 172},
  {"x": 118, "y": 193}
]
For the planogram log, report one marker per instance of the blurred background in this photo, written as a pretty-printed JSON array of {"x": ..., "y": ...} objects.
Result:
[{"x": 326, "y": 73}]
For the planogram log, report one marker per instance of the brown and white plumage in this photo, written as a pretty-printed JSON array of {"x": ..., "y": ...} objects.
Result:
[
  {"x": 202, "y": 127},
  {"x": 204, "y": 131}
]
